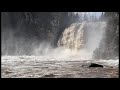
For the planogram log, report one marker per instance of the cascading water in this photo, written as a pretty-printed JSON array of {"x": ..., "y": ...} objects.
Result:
[{"x": 82, "y": 38}]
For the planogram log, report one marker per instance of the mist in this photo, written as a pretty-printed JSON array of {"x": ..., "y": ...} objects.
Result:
[
  {"x": 20, "y": 41},
  {"x": 85, "y": 39},
  {"x": 59, "y": 44},
  {"x": 28, "y": 35}
]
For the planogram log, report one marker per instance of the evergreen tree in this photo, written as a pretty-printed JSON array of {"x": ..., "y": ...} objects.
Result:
[{"x": 109, "y": 47}]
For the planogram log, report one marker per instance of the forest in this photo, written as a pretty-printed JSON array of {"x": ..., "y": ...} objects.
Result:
[
  {"x": 60, "y": 44},
  {"x": 24, "y": 28}
]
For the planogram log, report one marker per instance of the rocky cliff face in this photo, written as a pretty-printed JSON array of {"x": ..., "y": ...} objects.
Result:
[{"x": 21, "y": 31}]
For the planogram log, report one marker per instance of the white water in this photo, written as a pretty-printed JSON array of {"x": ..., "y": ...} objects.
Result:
[
  {"x": 82, "y": 38},
  {"x": 55, "y": 67},
  {"x": 66, "y": 60},
  {"x": 29, "y": 59}
]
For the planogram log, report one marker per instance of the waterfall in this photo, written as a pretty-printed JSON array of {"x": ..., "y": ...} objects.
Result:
[{"x": 82, "y": 37}]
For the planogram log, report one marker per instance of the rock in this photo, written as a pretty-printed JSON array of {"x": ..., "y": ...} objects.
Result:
[
  {"x": 8, "y": 72},
  {"x": 49, "y": 76},
  {"x": 92, "y": 65},
  {"x": 95, "y": 65}
]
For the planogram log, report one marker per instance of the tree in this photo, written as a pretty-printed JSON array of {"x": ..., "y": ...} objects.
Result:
[
  {"x": 77, "y": 17},
  {"x": 85, "y": 17},
  {"x": 110, "y": 43}
]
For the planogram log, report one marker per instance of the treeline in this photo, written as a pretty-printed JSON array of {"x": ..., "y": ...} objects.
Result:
[
  {"x": 21, "y": 29},
  {"x": 87, "y": 16},
  {"x": 109, "y": 46}
]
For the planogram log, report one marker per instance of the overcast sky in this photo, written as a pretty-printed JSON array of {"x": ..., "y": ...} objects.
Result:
[{"x": 91, "y": 13}]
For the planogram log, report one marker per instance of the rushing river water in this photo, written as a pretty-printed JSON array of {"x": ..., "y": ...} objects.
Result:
[{"x": 56, "y": 67}]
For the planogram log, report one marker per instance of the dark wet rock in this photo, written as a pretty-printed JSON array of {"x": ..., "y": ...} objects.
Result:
[
  {"x": 92, "y": 65},
  {"x": 95, "y": 65},
  {"x": 8, "y": 72},
  {"x": 48, "y": 76}
]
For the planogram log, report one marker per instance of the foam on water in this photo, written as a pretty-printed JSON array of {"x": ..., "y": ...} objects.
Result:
[{"x": 82, "y": 38}]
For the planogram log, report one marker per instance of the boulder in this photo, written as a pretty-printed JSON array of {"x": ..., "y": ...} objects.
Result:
[
  {"x": 92, "y": 65},
  {"x": 95, "y": 65}
]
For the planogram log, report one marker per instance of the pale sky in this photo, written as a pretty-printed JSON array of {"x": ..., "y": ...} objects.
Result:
[{"x": 97, "y": 13}]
